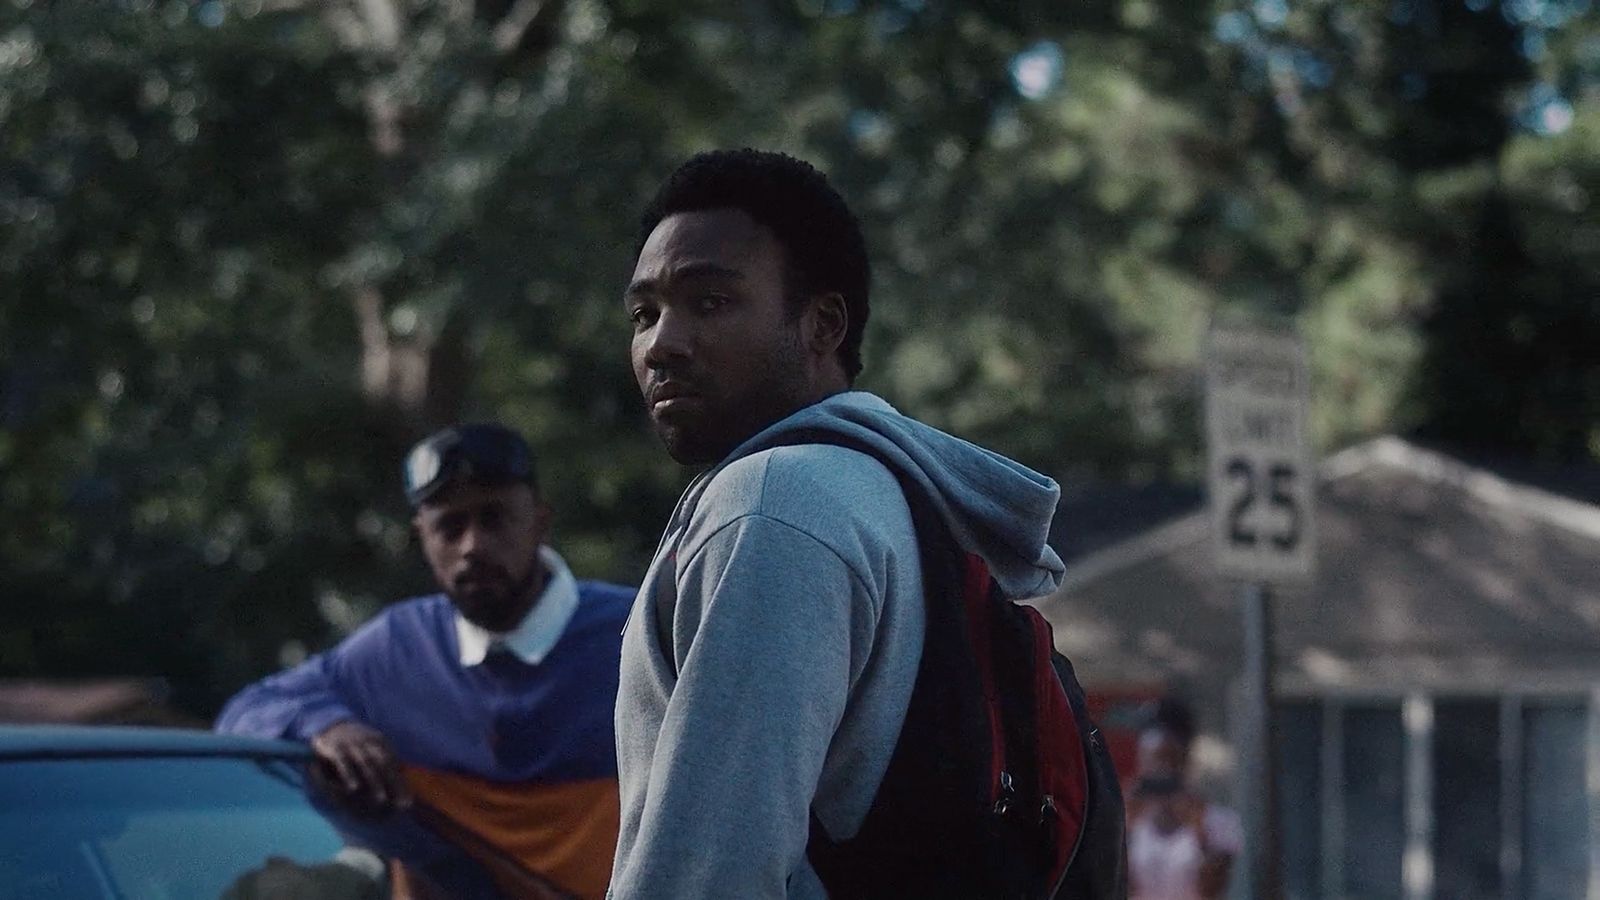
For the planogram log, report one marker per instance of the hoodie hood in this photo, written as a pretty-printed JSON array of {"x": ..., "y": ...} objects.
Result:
[{"x": 995, "y": 507}]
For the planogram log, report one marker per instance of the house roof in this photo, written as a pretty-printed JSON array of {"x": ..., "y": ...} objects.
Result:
[
  {"x": 1431, "y": 571},
  {"x": 1094, "y": 515}
]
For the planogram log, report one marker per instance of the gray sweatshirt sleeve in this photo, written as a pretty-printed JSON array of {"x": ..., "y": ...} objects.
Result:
[{"x": 765, "y": 634}]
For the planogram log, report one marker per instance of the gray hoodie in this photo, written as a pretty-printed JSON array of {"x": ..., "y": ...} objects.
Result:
[{"x": 771, "y": 653}]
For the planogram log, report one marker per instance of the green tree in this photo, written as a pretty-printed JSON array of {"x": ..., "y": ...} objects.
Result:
[
  {"x": 250, "y": 250},
  {"x": 236, "y": 300}
]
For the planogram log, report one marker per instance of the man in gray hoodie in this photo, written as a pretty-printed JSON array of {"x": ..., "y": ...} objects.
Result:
[{"x": 771, "y": 654}]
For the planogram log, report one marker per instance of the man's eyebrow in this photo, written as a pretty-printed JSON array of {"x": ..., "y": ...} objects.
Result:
[{"x": 685, "y": 271}]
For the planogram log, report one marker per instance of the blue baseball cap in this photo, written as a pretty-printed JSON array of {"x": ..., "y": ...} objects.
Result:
[{"x": 483, "y": 452}]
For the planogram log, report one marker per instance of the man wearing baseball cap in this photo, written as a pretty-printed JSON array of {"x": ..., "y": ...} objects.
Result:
[{"x": 490, "y": 702}]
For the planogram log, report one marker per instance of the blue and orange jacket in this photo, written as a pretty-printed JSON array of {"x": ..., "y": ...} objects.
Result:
[{"x": 523, "y": 756}]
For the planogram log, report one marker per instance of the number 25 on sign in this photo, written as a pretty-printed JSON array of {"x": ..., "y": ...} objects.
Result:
[
  {"x": 1261, "y": 471},
  {"x": 1278, "y": 496}
]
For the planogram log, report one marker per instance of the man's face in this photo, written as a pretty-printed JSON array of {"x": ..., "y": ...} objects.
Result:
[
  {"x": 1162, "y": 754},
  {"x": 717, "y": 349},
  {"x": 482, "y": 542}
]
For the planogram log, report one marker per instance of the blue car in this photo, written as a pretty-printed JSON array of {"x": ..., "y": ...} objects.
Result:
[{"x": 105, "y": 813}]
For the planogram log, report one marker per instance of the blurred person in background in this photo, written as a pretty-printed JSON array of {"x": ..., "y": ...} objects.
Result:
[
  {"x": 1180, "y": 846},
  {"x": 490, "y": 702}
]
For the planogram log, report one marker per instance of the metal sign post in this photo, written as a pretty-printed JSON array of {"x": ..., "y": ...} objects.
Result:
[
  {"x": 1262, "y": 480},
  {"x": 1259, "y": 751}
]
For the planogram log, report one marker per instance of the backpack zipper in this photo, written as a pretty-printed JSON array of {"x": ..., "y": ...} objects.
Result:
[
  {"x": 1077, "y": 843},
  {"x": 1007, "y": 794}
]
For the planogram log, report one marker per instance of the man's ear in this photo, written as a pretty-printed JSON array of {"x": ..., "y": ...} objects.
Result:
[
  {"x": 541, "y": 517},
  {"x": 827, "y": 320}
]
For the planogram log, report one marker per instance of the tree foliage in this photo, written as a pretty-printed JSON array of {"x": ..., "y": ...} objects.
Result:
[{"x": 250, "y": 250}]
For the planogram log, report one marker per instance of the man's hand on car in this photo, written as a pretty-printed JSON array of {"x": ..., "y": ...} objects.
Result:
[{"x": 360, "y": 768}]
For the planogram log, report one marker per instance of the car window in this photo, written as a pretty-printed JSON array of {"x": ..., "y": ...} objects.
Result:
[{"x": 209, "y": 829}]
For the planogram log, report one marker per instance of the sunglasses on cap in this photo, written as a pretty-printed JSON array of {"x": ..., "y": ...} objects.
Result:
[{"x": 488, "y": 453}]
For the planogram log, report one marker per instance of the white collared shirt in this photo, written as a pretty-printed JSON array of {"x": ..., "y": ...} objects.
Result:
[{"x": 538, "y": 632}]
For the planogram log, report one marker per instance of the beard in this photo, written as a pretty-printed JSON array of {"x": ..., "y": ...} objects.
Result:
[
  {"x": 494, "y": 601},
  {"x": 707, "y": 431}
]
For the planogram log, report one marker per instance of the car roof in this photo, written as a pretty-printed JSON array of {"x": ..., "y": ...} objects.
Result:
[{"x": 71, "y": 741}]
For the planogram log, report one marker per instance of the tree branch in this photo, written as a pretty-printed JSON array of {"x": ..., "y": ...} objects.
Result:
[
  {"x": 383, "y": 23},
  {"x": 510, "y": 30}
]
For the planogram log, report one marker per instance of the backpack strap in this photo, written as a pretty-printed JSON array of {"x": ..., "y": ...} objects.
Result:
[
  {"x": 921, "y": 805},
  {"x": 894, "y": 851}
]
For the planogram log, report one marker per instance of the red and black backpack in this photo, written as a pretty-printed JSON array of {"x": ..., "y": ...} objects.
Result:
[{"x": 999, "y": 785}]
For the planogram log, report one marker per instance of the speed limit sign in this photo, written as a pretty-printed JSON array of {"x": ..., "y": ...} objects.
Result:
[{"x": 1261, "y": 471}]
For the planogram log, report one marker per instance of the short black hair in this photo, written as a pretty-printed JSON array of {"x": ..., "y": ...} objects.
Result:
[
  {"x": 823, "y": 246},
  {"x": 1172, "y": 715}
]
